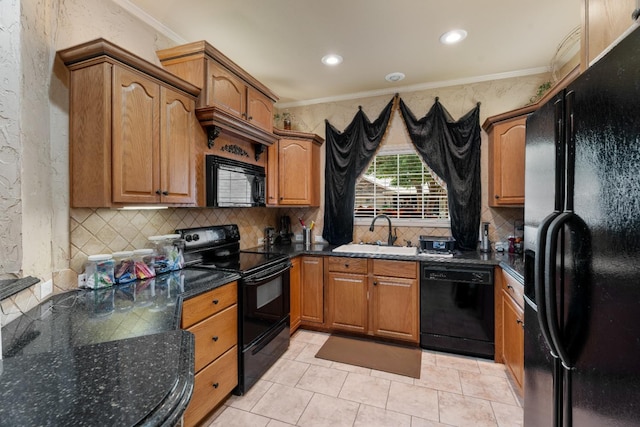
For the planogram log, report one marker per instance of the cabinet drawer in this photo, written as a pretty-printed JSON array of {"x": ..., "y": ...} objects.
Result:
[
  {"x": 406, "y": 269},
  {"x": 212, "y": 384},
  {"x": 215, "y": 335},
  {"x": 200, "y": 307},
  {"x": 348, "y": 265},
  {"x": 513, "y": 288}
]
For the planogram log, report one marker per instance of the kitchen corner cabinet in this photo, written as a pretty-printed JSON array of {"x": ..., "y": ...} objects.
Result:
[
  {"x": 131, "y": 130},
  {"x": 212, "y": 318},
  {"x": 506, "y": 160},
  {"x": 312, "y": 291},
  {"x": 295, "y": 296},
  {"x": 231, "y": 99},
  {"x": 509, "y": 300},
  {"x": 373, "y": 297},
  {"x": 293, "y": 169}
]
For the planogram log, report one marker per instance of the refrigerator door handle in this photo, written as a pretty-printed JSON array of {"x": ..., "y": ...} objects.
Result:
[
  {"x": 540, "y": 287},
  {"x": 550, "y": 300}
]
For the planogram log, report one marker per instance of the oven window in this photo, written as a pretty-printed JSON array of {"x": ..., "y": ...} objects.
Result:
[{"x": 268, "y": 292}]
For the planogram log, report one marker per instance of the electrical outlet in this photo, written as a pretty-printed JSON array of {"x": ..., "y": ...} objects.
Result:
[
  {"x": 298, "y": 237},
  {"x": 260, "y": 241},
  {"x": 82, "y": 280},
  {"x": 46, "y": 289}
]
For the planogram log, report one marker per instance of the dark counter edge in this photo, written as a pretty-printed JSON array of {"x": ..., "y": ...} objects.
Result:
[{"x": 169, "y": 412}]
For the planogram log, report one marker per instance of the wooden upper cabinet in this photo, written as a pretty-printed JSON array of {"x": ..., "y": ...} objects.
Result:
[
  {"x": 604, "y": 22},
  {"x": 177, "y": 170},
  {"x": 231, "y": 99},
  {"x": 298, "y": 170},
  {"x": 506, "y": 162},
  {"x": 131, "y": 129},
  {"x": 136, "y": 137},
  {"x": 225, "y": 89}
]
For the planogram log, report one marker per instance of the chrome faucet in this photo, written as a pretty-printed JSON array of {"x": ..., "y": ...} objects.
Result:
[{"x": 391, "y": 238}]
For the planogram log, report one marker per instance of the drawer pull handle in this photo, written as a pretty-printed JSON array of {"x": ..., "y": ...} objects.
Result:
[
  {"x": 216, "y": 385},
  {"x": 215, "y": 301},
  {"x": 215, "y": 339}
]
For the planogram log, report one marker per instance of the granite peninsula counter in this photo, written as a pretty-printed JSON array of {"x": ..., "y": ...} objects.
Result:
[{"x": 113, "y": 356}]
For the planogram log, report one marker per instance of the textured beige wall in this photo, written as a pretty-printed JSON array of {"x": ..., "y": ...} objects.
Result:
[{"x": 496, "y": 97}]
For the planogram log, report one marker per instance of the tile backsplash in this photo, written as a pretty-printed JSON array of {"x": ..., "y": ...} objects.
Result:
[{"x": 95, "y": 231}]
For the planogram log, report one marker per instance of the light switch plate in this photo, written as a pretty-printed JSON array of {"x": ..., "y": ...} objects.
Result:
[
  {"x": 82, "y": 280},
  {"x": 260, "y": 241},
  {"x": 298, "y": 237}
]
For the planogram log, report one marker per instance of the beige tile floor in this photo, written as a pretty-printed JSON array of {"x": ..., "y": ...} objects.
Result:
[{"x": 301, "y": 390}]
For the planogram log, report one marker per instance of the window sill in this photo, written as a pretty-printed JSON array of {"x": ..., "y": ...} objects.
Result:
[{"x": 406, "y": 222}]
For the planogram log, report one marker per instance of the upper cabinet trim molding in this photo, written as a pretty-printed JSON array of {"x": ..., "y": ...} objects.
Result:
[{"x": 74, "y": 56}]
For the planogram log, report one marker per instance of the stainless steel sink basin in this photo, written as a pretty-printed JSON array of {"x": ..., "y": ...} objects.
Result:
[{"x": 377, "y": 249}]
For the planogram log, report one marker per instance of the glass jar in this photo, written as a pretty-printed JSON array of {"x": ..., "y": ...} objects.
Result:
[
  {"x": 169, "y": 254},
  {"x": 144, "y": 260},
  {"x": 99, "y": 271},
  {"x": 124, "y": 270}
]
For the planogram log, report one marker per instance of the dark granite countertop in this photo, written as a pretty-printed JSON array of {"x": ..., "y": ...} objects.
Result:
[
  {"x": 111, "y": 356},
  {"x": 513, "y": 263}
]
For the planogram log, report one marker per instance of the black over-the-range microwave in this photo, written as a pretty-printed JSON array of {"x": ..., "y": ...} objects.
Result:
[{"x": 231, "y": 183}]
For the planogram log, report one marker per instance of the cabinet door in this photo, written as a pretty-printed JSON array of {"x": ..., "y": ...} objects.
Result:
[
  {"x": 513, "y": 338},
  {"x": 348, "y": 301},
  {"x": 295, "y": 172},
  {"x": 312, "y": 290},
  {"x": 135, "y": 138},
  {"x": 272, "y": 174},
  {"x": 606, "y": 20},
  {"x": 294, "y": 286},
  {"x": 259, "y": 109},
  {"x": 506, "y": 163},
  {"x": 395, "y": 308},
  {"x": 226, "y": 90},
  {"x": 177, "y": 139}
]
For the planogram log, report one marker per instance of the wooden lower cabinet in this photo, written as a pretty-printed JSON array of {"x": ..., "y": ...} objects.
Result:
[
  {"x": 212, "y": 317},
  {"x": 312, "y": 291},
  {"x": 295, "y": 300},
  {"x": 373, "y": 297},
  {"x": 509, "y": 333},
  {"x": 212, "y": 385}
]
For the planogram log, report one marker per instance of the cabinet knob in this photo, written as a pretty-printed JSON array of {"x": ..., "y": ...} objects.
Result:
[
  {"x": 250, "y": 118},
  {"x": 496, "y": 196},
  {"x": 520, "y": 322},
  {"x": 509, "y": 287},
  {"x": 215, "y": 301},
  {"x": 375, "y": 283},
  {"x": 346, "y": 265},
  {"x": 165, "y": 193},
  {"x": 216, "y": 385},
  {"x": 158, "y": 192},
  {"x": 215, "y": 339}
]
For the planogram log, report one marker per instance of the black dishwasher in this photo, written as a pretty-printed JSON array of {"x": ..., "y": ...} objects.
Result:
[{"x": 457, "y": 308}]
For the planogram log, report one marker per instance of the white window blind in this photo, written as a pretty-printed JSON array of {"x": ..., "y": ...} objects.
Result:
[{"x": 399, "y": 184}]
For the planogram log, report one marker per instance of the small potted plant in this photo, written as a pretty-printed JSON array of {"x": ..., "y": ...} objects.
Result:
[{"x": 286, "y": 119}]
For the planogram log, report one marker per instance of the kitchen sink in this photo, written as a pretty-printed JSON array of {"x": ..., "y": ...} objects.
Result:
[{"x": 377, "y": 249}]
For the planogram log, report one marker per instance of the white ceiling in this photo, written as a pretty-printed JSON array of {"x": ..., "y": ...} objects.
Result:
[{"x": 281, "y": 42}]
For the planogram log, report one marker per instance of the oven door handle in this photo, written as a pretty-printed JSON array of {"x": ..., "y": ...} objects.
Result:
[{"x": 252, "y": 281}]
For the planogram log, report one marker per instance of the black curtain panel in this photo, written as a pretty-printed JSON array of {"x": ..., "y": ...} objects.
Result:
[
  {"x": 452, "y": 150},
  {"x": 348, "y": 155}
]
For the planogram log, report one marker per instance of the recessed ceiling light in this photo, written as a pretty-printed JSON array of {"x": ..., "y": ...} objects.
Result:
[
  {"x": 394, "y": 77},
  {"x": 331, "y": 59},
  {"x": 453, "y": 36}
]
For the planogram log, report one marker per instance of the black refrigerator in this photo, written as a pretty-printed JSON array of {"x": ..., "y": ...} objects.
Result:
[{"x": 582, "y": 249}]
